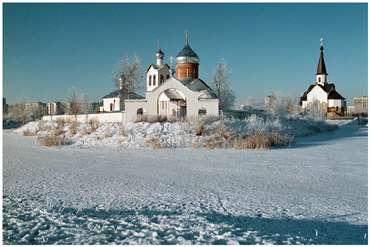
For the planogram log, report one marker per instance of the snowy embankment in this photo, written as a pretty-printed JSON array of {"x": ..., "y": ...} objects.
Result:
[
  {"x": 312, "y": 193},
  {"x": 252, "y": 132}
]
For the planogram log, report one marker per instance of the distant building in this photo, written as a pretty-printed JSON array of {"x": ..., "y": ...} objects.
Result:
[
  {"x": 360, "y": 104},
  {"x": 35, "y": 110},
  {"x": 55, "y": 108},
  {"x": 5, "y": 106},
  {"x": 323, "y": 94}
]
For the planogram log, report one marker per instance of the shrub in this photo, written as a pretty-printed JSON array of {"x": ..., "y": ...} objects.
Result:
[
  {"x": 107, "y": 132},
  {"x": 60, "y": 123},
  {"x": 220, "y": 139},
  {"x": 262, "y": 141},
  {"x": 52, "y": 140},
  {"x": 154, "y": 143},
  {"x": 93, "y": 125},
  {"x": 73, "y": 127},
  {"x": 200, "y": 130},
  {"x": 42, "y": 126},
  {"x": 151, "y": 118},
  {"x": 28, "y": 133}
]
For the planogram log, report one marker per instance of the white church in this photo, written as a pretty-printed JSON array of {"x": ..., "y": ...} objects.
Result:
[
  {"x": 182, "y": 94},
  {"x": 322, "y": 93}
]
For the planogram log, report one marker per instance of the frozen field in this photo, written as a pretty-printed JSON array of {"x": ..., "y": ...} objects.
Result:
[{"x": 314, "y": 192}]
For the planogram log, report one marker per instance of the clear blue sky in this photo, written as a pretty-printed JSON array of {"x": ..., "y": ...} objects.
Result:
[{"x": 48, "y": 48}]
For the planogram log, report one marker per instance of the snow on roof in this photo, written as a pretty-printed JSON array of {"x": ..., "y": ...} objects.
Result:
[{"x": 123, "y": 94}]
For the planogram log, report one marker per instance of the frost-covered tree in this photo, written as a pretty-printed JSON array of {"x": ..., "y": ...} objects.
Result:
[
  {"x": 222, "y": 88},
  {"x": 316, "y": 109},
  {"x": 128, "y": 76}
]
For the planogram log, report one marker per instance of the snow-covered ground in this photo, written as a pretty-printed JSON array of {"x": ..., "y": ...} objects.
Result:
[{"x": 313, "y": 192}]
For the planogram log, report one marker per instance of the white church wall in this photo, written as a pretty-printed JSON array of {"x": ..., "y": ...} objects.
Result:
[
  {"x": 131, "y": 107},
  {"x": 193, "y": 105},
  {"x": 211, "y": 105},
  {"x": 304, "y": 104},
  {"x": 101, "y": 117},
  {"x": 317, "y": 93},
  {"x": 114, "y": 101},
  {"x": 335, "y": 103}
]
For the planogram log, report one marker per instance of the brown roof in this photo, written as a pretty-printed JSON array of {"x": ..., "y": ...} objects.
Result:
[{"x": 335, "y": 95}]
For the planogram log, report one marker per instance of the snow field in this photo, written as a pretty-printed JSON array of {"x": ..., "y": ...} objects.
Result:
[{"x": 312, "y": 193}]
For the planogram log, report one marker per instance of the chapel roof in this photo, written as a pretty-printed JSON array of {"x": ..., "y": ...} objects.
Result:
[
  {"x": 321, "y": 68},
  {"x": 123, "y": 94}
]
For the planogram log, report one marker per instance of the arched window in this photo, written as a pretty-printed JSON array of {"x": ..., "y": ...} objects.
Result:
[
  {"x": 140, "y": 111},
  {"x": 202, "y": 112},
  {"x": 319, "y": 79},
  {"x": 154, "y": 79},
  {"x": 162, "y": 79},
  {"x": 150, "y": 80},
  {"x": 111, "y": 106}
]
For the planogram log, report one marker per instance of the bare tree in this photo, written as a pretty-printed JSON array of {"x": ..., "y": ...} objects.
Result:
[
  {"x": 128, "y": 77},
  {"x": 86, "y": 106},
  {"x": 74, "y": 102},
  {"x": 221, "y": 85}
]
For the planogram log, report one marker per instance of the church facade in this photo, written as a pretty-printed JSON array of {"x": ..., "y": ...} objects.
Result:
[
  {"x": 181, "y": 94},
  {"x": 323, "y": 94}
]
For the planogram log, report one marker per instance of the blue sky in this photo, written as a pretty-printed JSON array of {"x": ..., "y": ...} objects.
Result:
[{"x": 49, "y": 48}]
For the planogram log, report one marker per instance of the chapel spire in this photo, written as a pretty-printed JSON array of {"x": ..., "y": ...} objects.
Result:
[
  {"x": 321, "y": 68},
  {"x": 321, "y": 74}
]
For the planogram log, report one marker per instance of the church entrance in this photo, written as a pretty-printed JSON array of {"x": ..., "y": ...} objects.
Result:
[{"x": 172, "y": 103}]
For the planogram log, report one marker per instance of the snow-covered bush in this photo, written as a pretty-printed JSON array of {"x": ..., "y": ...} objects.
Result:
[
  {"x": 28, "y": 133},
  {"x": 93, "y": 125},
  {"x": 52, "y": 140},
  {"x": 73, "y": 128},
  {"x": 262, "y": 130}
]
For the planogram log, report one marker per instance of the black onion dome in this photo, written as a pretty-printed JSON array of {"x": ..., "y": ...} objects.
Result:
[{"x": 187, "y": 52}]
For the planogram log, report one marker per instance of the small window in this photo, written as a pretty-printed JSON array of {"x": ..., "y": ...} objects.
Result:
[
  {"x": 168, "y": 76},
  {"x": 150, "y": 80},
  {"x": 140, "y": 111},
  {"x": 202, "y": 112},
  {"x": 154, "y": 79},
  {"x": 162, "y": 79},
  {"x": 319, "y": 79}
]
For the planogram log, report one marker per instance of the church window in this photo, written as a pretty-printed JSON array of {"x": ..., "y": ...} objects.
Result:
[
  {"x": 202, "y": 112},
  {"x": 162, "y": 78},
  {"x": 168, "y": 76},
  {"x": 154, "y": 79},
  {"x": 319, "y": 79},
  {"x": 150, "y": 80},
  {"x": 140, "y": 111}
]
